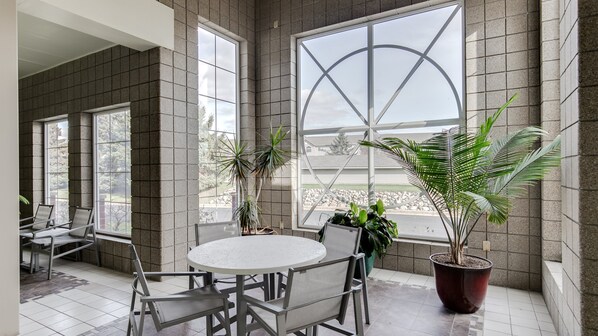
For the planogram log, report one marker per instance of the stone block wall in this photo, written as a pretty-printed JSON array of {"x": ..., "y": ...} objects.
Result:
[{"x": 502, "y": 58}]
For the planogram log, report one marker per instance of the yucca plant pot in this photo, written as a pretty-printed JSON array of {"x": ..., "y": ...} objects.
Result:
[{"x": 461, "y": 289}]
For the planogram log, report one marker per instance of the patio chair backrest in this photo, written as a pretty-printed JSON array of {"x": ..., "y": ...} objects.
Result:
[
  {"x": 321, "y": 284},
  {"x": 340, "y": 241},
  {"x": 139, "y": 270},
  {"x": 207, "y": 232},
  {"x": 43, "y": 215},
  {"x": 82, "y": 218}
]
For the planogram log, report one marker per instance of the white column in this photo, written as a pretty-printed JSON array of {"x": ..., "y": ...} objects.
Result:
[{"x": 9, "y": 170}]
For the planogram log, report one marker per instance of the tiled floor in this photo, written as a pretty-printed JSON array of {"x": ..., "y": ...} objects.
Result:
[{"x": 401, "y": 304}]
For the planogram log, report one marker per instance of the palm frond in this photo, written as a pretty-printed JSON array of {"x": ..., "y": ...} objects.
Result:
[
  {"x": 529, "y": 169},
  {"x": 505, "y": 152},
  {"x": 495, "y": 206}
]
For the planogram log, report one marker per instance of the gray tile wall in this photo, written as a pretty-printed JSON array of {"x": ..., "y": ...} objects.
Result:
[
  {"x": 579, "y": 92},
  {"x": 161, "y": 86},
  {"x": 107, "y": 78},
  {"x": 502, "y": 52},
  {"x": 178, "y": 146},
  {"x": 551, "y": 121}
]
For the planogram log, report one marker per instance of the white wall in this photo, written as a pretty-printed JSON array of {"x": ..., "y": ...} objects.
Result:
[{"x": 9, "y": 167}]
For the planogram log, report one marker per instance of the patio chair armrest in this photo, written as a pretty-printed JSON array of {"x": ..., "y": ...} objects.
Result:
[
  {"x": 42, "y": 230},
  {"x": 175, "y": 273},
  {"x": 319, "y": 300},
  {"x": 63, "y": 224},
  {"x": 183, "y": 297},
  {"x": 26, "y": 219},
  {"x": 264, "y": 305},
  {"x": 35, "y": 223},
  {"x": 75, "y": 229}
]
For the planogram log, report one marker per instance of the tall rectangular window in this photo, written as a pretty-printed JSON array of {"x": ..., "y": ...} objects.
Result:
[
  {"x": 112, "y": 171},
  {"x": 398, "y": 77},
  {"x": 218, "y": 121},
  {"x": 56, "y": 168}
]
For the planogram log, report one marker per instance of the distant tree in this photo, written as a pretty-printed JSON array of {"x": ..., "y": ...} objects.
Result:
[{"x": 340, "y": 145}]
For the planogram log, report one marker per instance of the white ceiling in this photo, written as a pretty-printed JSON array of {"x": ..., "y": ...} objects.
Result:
[{"x": 44, "y": 45}]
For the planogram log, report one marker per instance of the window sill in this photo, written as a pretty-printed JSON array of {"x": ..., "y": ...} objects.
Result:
[
  {"x": 113, "y": 238},
  {"x": 556, "y": 271}
]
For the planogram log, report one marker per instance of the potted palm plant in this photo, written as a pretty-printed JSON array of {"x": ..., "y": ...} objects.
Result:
[
  {"x": 240, "y": 164},
  {"x": 377, "y": 231},
  {"x": 467, "y": 175}
]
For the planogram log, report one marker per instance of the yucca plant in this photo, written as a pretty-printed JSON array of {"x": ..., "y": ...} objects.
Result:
[
  {"x": 467, "y": 175},
  {"x": 267, "y": 160}
]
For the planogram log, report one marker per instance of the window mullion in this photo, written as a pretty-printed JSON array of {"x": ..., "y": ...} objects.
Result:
[{"x": 371, "y": 119}]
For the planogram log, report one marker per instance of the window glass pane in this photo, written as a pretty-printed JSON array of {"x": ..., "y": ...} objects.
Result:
[
  {"x": 390, "y": 77},
  {"x": 408, "y": 87},
  {"x": 218, "y": 122},
  {"x": 419, "y": 100},
  {"x": 207, "y": 46},
  {"x": 102, "y": 125},
  {"x": 113, "y": 172},
  {"x": 56, "y": 168},
  {"x": 414, "y": 31},
  {"x": 329, "y": 49},
  {"x": 226, "y": 54},
  {"x": 207, "y": 80},
  {"x": 207, "y": 113},
  {"x": 328, "y": 104},
  {"x": 226, "y": 119},
  {"x": 226, "y": 86},
  {"x": 352, "y": 79}
]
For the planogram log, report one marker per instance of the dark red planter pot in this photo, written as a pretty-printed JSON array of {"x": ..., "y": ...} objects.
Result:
[{"x": 461, "y": 289}]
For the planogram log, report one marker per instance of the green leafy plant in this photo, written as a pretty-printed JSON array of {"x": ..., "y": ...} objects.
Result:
[
  {"x": 467, "y": 175},
  {"x": 235, "y": 160},
  {"x": 377, "y": 231},
  {"x": 23, "y": 200}
]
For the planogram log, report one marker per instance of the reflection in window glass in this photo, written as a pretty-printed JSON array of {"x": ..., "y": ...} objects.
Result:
[
  {"x": 112, "y": 170},
  {"x": 407, "y": 82},
  {"x": 218, "y": 111},
  {"x": 57, "y": 168}
]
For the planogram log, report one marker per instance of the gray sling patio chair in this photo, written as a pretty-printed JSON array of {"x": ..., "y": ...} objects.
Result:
[
  {"x": 72, "y": 236},
  {"x": 170, "y": 310},
  {"x": 341, "y": 241},
  {"x": 208, "y": 232},
  {"x": 314, "y": 295},
  {"x": 28, "y": 226}
]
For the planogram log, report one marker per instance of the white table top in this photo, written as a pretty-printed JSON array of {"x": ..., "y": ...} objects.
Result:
[{"x": 255, "y": 254}]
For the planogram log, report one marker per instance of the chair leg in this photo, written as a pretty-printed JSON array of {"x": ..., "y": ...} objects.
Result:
[
  {"x": 364, "y": 287},
  {"x": 32, "y": 263},
  {"x": 357, "y": 311},
  {"x": 98, "y": 260},
  {"x": 280, "y": 285},
  {"x": 141, "y": 320},
  {"x": 209, "y": 326},
  {"x": 21, "y": 250},
  {"x": 191, "y": 282},
  {"x": 50, "y": 262},
  {"x": 226, "y": 319}
]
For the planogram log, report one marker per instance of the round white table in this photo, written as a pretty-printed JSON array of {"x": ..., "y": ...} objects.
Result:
[{"x": 254, "y": 255}]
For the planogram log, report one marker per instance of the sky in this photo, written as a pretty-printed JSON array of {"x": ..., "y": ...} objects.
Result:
[{"x": 426, "y": 96}]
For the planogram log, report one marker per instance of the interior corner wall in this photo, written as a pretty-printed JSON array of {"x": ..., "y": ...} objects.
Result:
[
  {"x": 179, "y": 162},
  {"x": 9, "y": 291},
  {"x": 579, "y": 94},
  {"x": 502, "y": 58}
]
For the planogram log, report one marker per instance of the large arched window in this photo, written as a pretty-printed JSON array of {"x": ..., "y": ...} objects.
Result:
[{"x": 402, "y": 77}]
